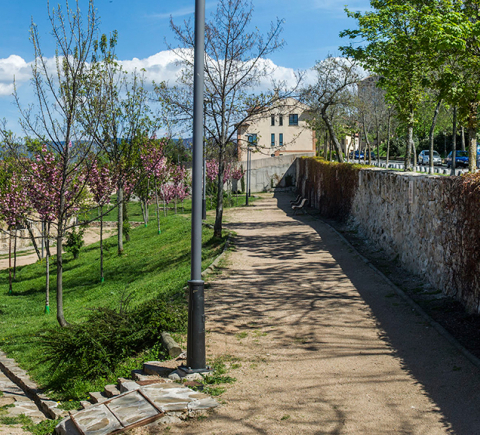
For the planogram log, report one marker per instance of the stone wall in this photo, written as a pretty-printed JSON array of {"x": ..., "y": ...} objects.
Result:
[
  {"x": 429, "y": 223},
  {"x": 23, "y": 238}
]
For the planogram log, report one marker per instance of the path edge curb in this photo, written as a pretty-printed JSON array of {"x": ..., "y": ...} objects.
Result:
[{"x": 21, "y": 378}]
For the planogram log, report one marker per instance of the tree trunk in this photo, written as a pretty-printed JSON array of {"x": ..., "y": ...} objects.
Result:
[
  {"x": 333, "y": 137},
  {"x": 102, "y": 278},
  {"x": 454, "y": 144},
  {"x": 10, "y": 260},
  {"x": 463, "y": 138},
  {"x": 472, "y": 137},
  {"x": 432, "y": 130},
  {"x": 325, "y": 146},
  {"x": 367, "y": 142},
  {"x": 378, "y": 147},
  {"x": 157, "y": 207},
  {"x": 217, "y": 228},
  {"x": 15, "y": 255},
  {"x": 120, "y": 219},
  {"x": 47, "y": 269},
  {"x": 414, "y": 152},
  {"x": 388, "y": 140},
  {"x": 60, "y": 315},
  {"x": 34, "y": 242},
  {"x": 126, "y": 219},
  {"x": 408, "y": 151}
]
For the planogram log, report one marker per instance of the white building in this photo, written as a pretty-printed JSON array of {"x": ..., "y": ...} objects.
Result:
[{"x": 281, "y": 131}]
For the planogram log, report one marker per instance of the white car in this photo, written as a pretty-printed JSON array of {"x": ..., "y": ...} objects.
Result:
[{"x": 424, "y": 158}]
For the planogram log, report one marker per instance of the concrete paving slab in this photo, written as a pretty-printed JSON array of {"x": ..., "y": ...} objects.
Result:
[
  {"x": 171, "y": 397},
  {"x": 131, "y": 408},
  {"x": 97, "y": 420}
]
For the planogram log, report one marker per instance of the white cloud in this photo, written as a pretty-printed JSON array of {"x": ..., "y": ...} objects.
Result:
[
  {"x": 13, "y": 67},
  {"x": 163, "y": 67},
  {"x": 159, "y": 67}
]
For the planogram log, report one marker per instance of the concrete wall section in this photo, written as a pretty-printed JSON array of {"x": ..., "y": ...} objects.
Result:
[{"x": 273, "y": 172}]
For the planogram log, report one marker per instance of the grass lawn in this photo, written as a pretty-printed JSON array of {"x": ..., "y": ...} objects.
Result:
[{"x": 152, "y": 264}]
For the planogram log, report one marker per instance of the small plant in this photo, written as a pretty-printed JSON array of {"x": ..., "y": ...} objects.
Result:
[
  {"x": 74, "y": 241},
  {"x": 241, "y": 335},
  {"x": 285, "y": 417}
]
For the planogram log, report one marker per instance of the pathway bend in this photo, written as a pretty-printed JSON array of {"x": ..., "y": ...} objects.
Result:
[{"x": 324, "y": 343}]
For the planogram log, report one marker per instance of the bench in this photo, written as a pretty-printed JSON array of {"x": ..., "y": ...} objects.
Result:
[
  {"x": 296, "y": 201},
  {"x": 300, "y": 206}
]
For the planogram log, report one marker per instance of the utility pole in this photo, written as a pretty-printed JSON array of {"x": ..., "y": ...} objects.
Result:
[{"x": 196, "y": 359}]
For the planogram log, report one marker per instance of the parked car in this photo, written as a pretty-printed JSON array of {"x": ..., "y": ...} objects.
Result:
[
  {"x": 360, "y": 155},
  {"x": 424, "y": 158},
  {"x": 461, "y": 159},
  {"x": 357, "y": 155}
]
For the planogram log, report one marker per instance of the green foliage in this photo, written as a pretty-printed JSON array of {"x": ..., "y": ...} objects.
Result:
[
  {"x": 153, "y": 267},
  {"x": 177, "y": 151},
  {"x": 97, "y": 346},
  {"x": 338, "y": 183},
  {"x": 74, "y": 241},
  {"x": 45, "y": 427}
]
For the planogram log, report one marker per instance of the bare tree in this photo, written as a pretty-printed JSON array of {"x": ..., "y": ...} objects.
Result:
[
  {"x": 116, "y": 117},
  {"x": 235, "y": 67},
  {"x": 61, "y": 91},
  {"x": 335, "y": 79}
]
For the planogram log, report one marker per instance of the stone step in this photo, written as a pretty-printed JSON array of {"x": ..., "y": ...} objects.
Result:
[
  {"x": 125, "y": 385},
  {"x": 156, "y": 368},
  {"x": 111, "y": 390},
  {"x": 85, "y": 404},
  {"x": 96, "y": 397}
]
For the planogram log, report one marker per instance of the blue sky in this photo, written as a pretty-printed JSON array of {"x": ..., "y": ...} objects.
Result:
[{"x": 311, "y": 32}]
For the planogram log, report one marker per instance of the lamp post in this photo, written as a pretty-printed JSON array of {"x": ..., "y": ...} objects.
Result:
[
  {"x": 204, "y": 196},
  {"x": 247, "y": 188},
  {"x": 196, "y": 361},
  {"x": 250, "y": 174}
]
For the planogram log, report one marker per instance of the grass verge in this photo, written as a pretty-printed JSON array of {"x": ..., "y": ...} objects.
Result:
[{"x": 152, "y": 266}]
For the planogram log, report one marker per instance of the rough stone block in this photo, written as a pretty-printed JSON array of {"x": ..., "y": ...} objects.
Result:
[
  {"x": 125, "y": 385},
  {"x": 66, "y": 427},
  {"x": 85, "y": 404},
  {"x": 96, "y": 397},
  {"x": 156, "y": 368},
  {"x": 111, "y": 390}
]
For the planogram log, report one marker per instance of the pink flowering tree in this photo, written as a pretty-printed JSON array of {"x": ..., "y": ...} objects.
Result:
[
  {"x": 102, "y": 183},
  {"x": 180, "y": 183},
  {"x": 151, "y": 169},
  {"x": 14, "y": 206},
  {"x": 56, "y": 189}
]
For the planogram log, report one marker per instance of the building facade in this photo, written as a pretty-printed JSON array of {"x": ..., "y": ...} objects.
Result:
[{"x": 281, "y": 131}]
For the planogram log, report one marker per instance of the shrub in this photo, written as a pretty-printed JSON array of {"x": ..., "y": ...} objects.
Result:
[
  {"x": 96, "y": 347},
  {"x": 74, "y": 241}
]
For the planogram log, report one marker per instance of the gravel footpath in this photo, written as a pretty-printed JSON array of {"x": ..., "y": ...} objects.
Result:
[{"x": 324, "y": 344}]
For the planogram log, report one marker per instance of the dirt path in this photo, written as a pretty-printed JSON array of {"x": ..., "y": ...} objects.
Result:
[
  {"x": 92, "y": 235},
  {"x": 325, "y": 345}
]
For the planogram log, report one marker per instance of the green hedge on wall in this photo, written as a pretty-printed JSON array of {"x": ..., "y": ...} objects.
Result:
[{"x": 330, "y": 187}]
